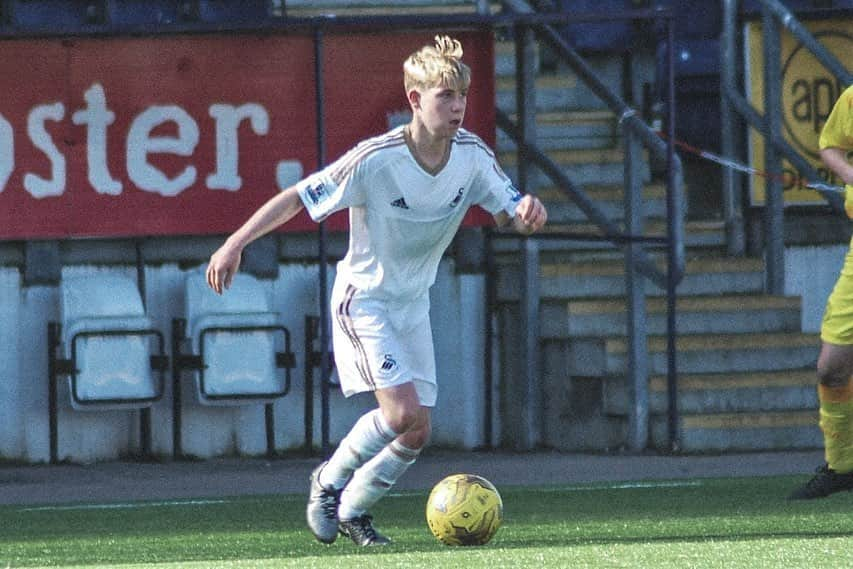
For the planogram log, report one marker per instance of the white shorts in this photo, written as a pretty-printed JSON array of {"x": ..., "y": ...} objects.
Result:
[{"x": 378, "y": 344}]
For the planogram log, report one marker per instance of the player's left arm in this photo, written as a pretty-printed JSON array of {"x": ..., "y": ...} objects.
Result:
[{"x": 530, "y": 216}]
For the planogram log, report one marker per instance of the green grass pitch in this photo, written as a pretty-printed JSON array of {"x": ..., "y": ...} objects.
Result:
[{"x": 707, "y": 524}]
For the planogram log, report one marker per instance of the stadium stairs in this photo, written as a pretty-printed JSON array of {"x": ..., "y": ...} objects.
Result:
[{"x": 745, "y": 369}]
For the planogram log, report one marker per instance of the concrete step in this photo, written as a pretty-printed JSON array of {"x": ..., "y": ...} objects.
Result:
[
  {"x": 718, "y": 412},
  {"x": 698, "y": 235},
  {"x": 606, "y": 278},
  {"x": 601, "y": 192},
  {"x": 569, "y": 118},
  {"x": 610, "y": 199},
  {"x": 706, "y": 353},
  {"x": 564, "y": 156},
  {"x": 701, "y": 353},
  {"x": 708, "y": 314},
  {"x": 784, "y": 430},
  {"x": 704, "y": 393},
  {"x": 569, "y": 130},
  {"x": 583, "y": 166},
  {"x": 561, "y": 91},
  {"x": 553, "y": 93},
  {"x": 505, "y": 60}
]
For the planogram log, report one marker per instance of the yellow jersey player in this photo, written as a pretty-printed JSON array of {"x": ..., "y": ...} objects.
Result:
[
  {"x": 407, "y": 192},
  {"x": 835, "y": 362}
]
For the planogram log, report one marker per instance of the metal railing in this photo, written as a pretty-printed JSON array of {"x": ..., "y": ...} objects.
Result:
[
  {"x": 637, "y": 262},
  {"x": 768, "y": 125}
]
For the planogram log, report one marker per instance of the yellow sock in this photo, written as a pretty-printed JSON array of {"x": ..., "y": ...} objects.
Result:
[{"x": 836, "y": 422}]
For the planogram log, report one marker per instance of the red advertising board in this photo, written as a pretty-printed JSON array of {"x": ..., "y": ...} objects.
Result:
[{"x": 188, "y": 135}]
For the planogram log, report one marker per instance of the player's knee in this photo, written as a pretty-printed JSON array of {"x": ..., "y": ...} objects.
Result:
[
  {"x": 417, "y": 437},
  {"x": 421, "y": 435},
  {"x": 402, "y": 418},
  {"x": 832, "y": 375}
]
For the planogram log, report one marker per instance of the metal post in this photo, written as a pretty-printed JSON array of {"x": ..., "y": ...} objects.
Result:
[
  {"x": 178, "y": 331},
  {"x": 324, "y": 308},
  {"x": 145, "y": 431},
  {"x": 140, "y": 273},
  {"x": 530, "y": 432},
  {"x": 525, "y": 96},
  {"x": 731, "y": 188},
  {"x": 309, "y": 383},
  {"x": 489, "y": 368},
  {"x": 637, "y": 368},
  {"x": 144, "y": 413},
  {"x": 675, "y": 246},
  {"x": 774, "y": 234},
  {"x": 52, "y": 403},
  {"x": 269, "y": 424}
]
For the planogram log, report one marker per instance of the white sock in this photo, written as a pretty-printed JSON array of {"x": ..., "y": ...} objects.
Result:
[
  {"x": 370, "y": 434},
  {"x": 373, "y": 480}
]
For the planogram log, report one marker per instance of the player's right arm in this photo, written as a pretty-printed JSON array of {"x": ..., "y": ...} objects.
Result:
[
  {"x": 332, "y": 189},
  {"x": 836, "y": 138},
  {"x": 225, "y": 261},
  {"x": 836, "y": 160}
]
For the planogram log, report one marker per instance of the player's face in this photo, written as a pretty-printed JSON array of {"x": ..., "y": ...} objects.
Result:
[{"x": 443, "y": 109}]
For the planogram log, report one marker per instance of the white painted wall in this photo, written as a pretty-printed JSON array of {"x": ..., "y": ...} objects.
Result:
[
  {"x": 458, "y": 317},
  {"x": 810, "y": 273},
  {"x": 10, "y": 387}
]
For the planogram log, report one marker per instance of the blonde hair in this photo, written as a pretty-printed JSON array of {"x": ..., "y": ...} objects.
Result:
[{"x": 437, "y": 66}]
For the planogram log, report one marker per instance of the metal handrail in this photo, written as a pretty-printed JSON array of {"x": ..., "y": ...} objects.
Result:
[
  {"x": 628, "y": 117},
  {"x": 635, "y": 256},
  {"x": 824, "y": 56},
  {"x": 767, "y": 124},
  {"x": 610, "y": 230},
  {"x": 748, "y": 112}
]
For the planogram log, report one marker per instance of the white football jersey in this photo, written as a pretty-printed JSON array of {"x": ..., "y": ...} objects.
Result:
[{"x": 402, "y": 218}]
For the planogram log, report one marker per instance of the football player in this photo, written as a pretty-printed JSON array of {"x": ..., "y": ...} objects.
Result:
[
  {"x": 835, "y": 362},
  {"x": 407, "y": 192}
]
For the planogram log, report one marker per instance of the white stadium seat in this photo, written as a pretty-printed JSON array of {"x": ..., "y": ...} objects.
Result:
[
  {"x": 238, "y": 353},
  {"x": 110, "y": 342},
  {"x": 106, "y": 346},
  {"x": 237, "y": 337}
]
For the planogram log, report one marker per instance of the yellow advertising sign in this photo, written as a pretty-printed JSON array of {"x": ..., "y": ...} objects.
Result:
[{"x": 809, "y": 91}]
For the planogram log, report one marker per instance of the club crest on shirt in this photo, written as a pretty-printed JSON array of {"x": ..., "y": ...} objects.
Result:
[
  {"x": 317, "y": 193},
  {"x": 388, "y": 363}
]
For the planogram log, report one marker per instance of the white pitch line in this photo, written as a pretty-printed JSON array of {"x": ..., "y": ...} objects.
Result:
[
  {"x": 627, "y": 486},
  {"x": 614, "y": 486},
  {"x": 173, "y": 503},
  {"x": 123, "y": 506}
]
